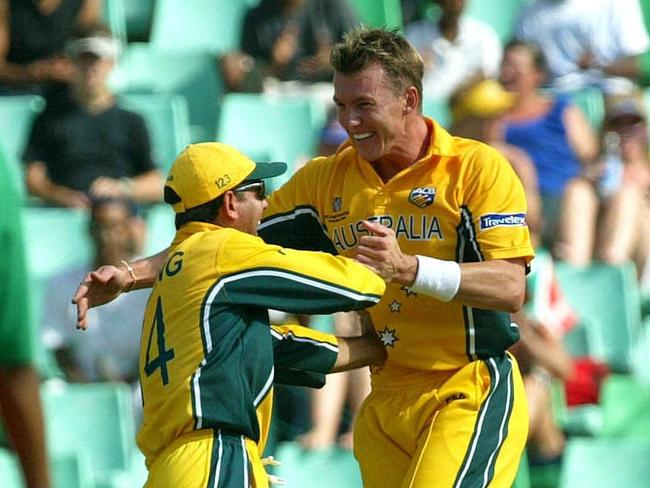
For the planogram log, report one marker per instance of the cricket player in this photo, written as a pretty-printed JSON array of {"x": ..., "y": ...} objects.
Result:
[
  {"x": 208, "y": 357},
  {"x": 443, "y": 220}
]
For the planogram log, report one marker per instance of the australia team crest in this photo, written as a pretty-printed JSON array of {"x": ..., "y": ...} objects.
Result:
[{"x": 422, "y": 197}]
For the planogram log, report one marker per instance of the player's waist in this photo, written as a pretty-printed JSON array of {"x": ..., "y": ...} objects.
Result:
[{"x": 400, "y": 377}]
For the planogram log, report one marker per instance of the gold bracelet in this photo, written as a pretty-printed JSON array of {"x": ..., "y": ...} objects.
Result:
[{"x": 130, "y": 270}]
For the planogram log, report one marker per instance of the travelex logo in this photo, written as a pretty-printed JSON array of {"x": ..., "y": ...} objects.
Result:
[{"x": 490, "y": 221}]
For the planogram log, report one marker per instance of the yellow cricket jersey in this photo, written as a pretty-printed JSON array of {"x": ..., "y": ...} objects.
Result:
[
  {"x": 462, "y": 201},
  {"x": 207, "y": 352}
]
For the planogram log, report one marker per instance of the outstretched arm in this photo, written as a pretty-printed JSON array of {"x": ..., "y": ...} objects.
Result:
[{"x": 107, "y": 282}]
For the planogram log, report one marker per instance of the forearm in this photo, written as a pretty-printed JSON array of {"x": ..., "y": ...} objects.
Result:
[
  {"x": 492, "y": 285},
  {"x": 145, "y": 270},
  {"x": 355, "y": 352},
  {"x": 146, "y": 187}
]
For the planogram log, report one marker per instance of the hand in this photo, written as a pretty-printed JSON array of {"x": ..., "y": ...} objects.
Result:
[
  {"x": 67, "y": 197},
  {"x": 380, "y": 252},
  {"x": 97, "y": 288},
  {"x": 107, "y": 187}
]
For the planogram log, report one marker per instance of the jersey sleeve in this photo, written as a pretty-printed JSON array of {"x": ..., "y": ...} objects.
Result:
[
  {"x": 292, "y": 218},
  {"x": 493, "y": 220},
  {"x": 302, "y": 356},
  {"x": 254, "y": 273}
]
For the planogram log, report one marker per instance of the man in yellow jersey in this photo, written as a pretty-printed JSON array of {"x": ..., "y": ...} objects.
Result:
[
  {"x": 208, "y": 358},
  {"x": 443, "y": 220}
]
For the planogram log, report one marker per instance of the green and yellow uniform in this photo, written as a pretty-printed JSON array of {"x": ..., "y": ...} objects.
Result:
[
  {"x": 207, "y": 351},
  {"x": 460, "y": 414}
]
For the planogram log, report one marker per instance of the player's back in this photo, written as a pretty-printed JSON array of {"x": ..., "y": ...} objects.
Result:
[{"x": 205, "y": 361}]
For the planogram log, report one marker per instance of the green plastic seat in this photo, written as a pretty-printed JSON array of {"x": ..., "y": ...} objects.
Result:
[
  {"x": 607, "y": 298},
  {"x": 379, "y": 13},
  {"x": 213, "y": 25},
  {"x": 95, "y": 418},
  {"x": 192, "y": 74},
  {"x": 438, "y": 110},
  {"x": 115, "y": 19},
  {"x": 605, "y": 463},
  {"x": 626, "y": 408},
  {"x": 278, "y": 128},
  {"x": 56, "y": 239},
  {"x": 501, "y": 15},
  {"x": 17, "y": 113},
  {"x": 167, "y": 118},
  {"x": 592, "y": 103},
  {"x": 11, "y": 475},
  {"x": 160, "y": 228},
  {"x": 316, "y": 469}
]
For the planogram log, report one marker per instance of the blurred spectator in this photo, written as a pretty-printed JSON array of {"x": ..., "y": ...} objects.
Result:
[
  {"x": 88, "y": 147},
  {"x": 110, "y": 351},
  {"x": 454, "y": 48},
  {"x": 581, "y": 37},
  {"x": 287, "y": 40},
  {"x": 476, "y": 109},
  {"x": 607, "y": 218},
  {"x": 552, "y": 131},
  {"x": 32, "y": 39},
  {"x": 20, "y": 400}
]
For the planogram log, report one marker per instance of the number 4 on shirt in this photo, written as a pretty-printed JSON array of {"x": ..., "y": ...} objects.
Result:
[{"x": 164, "y": 355}]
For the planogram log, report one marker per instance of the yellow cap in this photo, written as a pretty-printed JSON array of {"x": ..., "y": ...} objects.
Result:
[
  {"x": 206, "y": 170},
  {"x": 485, "y": 99}
]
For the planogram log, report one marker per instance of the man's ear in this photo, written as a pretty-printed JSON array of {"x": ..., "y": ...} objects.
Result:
[
  {"x": 228, "y": 212},
  {"x": 412, "y": 100}
]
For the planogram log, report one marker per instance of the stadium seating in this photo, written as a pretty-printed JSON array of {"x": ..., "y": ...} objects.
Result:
[
  {"x": 379, "y": 13},
  {"x": 160, "y": 228},
  {"x": 17, "y": 114},
  {"x": 316, "y": 469},
  {"x": 59, "y": 239},
  {"x": 502, "y": 15},
  {"x": 437, "y": 109},
  {"x": 115, "y": 19},
  {"x": 10, "y": 473},
  {"x": 96, "y": 419},
  {"x": 592, "y": 103},
  {"x": 167, "y": 119},
  {"x": 607, "y": 297},
  {"x": 626, "y": 408},
  {"x": 278, "y": 128},
  {"x": 605, "y": 463},
  {"x": 138, "y": 16},
  {"x": 212, "y": 25},
  {"x": 192, "y": 74}
]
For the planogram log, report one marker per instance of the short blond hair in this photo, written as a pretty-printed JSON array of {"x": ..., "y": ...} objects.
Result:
[{"x": 363, "y": 47}]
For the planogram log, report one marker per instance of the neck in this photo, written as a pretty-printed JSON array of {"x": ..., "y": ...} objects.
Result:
[
  {"x": 449, "y": 26},
  {"x": 412, "y": 148},
  {"x": 94, "y": 101}
]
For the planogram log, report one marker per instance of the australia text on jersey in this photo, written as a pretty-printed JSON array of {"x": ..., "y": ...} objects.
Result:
[{"x": 410, "y": 227}]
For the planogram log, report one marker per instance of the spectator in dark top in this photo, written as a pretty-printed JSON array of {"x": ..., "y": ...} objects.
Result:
[
  {"x": 32, "y": 38},
  {"x": 288, "y": 40},
  {"x": 88, "y": 146}
]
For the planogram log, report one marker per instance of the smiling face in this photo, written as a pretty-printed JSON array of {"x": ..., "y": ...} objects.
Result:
[{"x": 371, "y": 112}]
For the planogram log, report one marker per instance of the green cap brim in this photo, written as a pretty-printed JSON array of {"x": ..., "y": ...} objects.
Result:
[{"x": 267, "y": 170}]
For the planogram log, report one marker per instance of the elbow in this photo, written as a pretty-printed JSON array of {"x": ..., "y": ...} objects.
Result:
[{"x": 514, "y": 298}]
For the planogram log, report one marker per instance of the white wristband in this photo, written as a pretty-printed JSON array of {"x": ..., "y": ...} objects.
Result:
[{"x": 437, "y": 278}]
